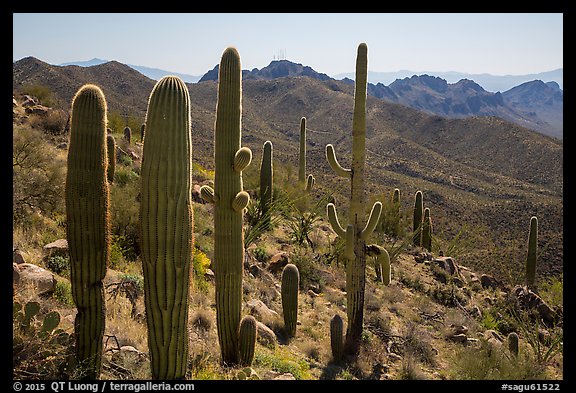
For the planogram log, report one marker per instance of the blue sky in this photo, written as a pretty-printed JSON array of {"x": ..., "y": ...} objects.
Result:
[{"x": 495, "y": 43}]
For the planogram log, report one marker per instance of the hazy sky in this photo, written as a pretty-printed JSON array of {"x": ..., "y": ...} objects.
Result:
[{"x": 495, "y": 43}]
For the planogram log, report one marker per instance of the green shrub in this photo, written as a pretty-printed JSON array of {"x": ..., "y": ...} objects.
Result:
[
  {"x": 63, "y": 293},
  {"x": 261, "y": 254},
  {"x": 200, "y": 263},
  {"x": 59, "y": 265}
]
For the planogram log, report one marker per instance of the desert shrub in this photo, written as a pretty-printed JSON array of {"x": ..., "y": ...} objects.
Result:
[
  {"x": 43, "y": 93},
  {"x": 59, "y": 265},
  {"x": 200, "y": 263},
  {"x": 490, "y": 363},
  {"x": 552, "y": 291},
  {"x": 392, "y": 218},
  {"x": 417, "y": 342},
  {"x": 63, "y": 293},
  {"x": 124, "y": 214},
  {"x": 261, "y": 254},
  {"x": 117, "y": 122},
  {"x": 283, "y": 361},
  {"x": 38, "y": 175}
]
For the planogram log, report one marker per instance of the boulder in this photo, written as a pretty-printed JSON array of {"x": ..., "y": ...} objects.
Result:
[
  {"x": 448, "y": 264},
  {"x": 42, "y": 279},
  {"x": 15, "y": 274},
  {"x": 58, "y": 247},
  {"x": 265, "y": 335},
  {"x": 529, "y": 300},
  {"x": 128, "y": 355},
  {"x": 40, "y": 110},
  {"x": 17, "y": 256},
  {"x": 278, "y": 261},
  {"x": 196, "y": 194},
  {"x": 30, "y": 101},
  {"x": 488, "y": 281},
  {"x": 493, "y": 337},
  {"x": 459, "y": 329},
  {"x": 261, "y": 312},
  {"x": 422, "y": 257},
  {"x": 460, "y": 338}
]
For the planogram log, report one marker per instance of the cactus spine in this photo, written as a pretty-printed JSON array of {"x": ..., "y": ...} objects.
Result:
[
  {"x": 266, "y": 182},
  {"x": 357, "y": 230},
  {"x": 418, "y": 213},
  {"x": 128, "y": 134},
  {"x": 166, "y": 219},
  {"x": 289, "y": 292},
  {"x": 88, "y": 223},
  {"x": 302, "y": 158},
  {"x": 336, "y": 337},
  {"x": 532, "y": 250},
  {"x": 111, "y": 146},
  {"x": 229, "y": 202},
  {"x": 247, "y": 340},
  {"x": 427, "y": 231}
]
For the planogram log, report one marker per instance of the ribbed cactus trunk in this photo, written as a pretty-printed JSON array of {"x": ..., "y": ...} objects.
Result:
[
  {"x": 266, "y": 182},
  {"x": 289, "y": 293},
  {"x": 302, "y": 156},
  {"x": 427, "y": 230},
  {"x": 532, "y": 251},
  {"x": 358, "y": 229},
  {"x": 128, "y": 134},
  {"x": 336, "y": 337},
  {"x": 229, "y": 200},
  {"x": 111, "y": 147},
  {"x": 417, "y": 218},
  {"x": 247, "y": 340},
  {"x": 166, "y": 220},
  {"x": 88, "y": 224},
  {"x": 513, "y": 343}
]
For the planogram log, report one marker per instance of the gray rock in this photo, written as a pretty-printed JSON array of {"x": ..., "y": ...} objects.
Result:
[
  {"x": 15, "y": 274},
  {"x": 448, "y": 264},
  {"x": 18, "y": 257},
  {"x": 57, "y": 247},
  {"x": 278, "y": 261},
  {"x": 40, "y": 110},
  {"x": 265, "y": 335},
  {"x": 460, "y": 338},
  {"x": 42, "y": 279},
  {"x": 488, "y": 281},
  {"x": 196, "y": 194},
  {"x": 261, "y": 312}
]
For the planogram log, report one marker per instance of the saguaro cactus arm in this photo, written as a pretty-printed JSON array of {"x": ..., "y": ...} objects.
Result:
[
  {"x": 242, "y": 159},
  {"x": 331, "y": 157},
  {"x": 207, "y": 193},
  {"x": 333, "y": 218},
  {"x": 372, "y": 220}
]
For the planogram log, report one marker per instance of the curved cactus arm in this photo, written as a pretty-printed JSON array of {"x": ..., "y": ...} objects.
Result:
[
  {"x": 349, "y": 250},
  {"x": 333, "y": 218},
  {"x": 382, "y": 260},
  {"x": 331, "y": 157},
  {"x": 372, "y": 220},
  {"x": 207, "y": 193},
  {"x": 309, "y": 183},
  {"x": 242, "y": 159},
  {"x": 240, "y": 201}
]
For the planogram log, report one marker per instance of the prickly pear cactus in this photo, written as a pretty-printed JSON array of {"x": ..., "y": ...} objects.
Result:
[{"x": 166, "y": 221}]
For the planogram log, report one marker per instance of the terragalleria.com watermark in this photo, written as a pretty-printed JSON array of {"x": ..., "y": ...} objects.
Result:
[{"x": 104, "y": 386}]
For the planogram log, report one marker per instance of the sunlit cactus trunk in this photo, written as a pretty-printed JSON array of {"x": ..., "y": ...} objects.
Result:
[
  {"x": 88, "y": 224},
  {"x": 166, "y": 221}
]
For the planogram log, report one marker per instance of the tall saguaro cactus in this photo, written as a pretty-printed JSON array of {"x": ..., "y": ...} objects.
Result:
[
  {"x": 532, "y": 250},
  {"x": 302, "y": 156},
  {"x": 266, "y": 181},
  {"x": 88, "y": 223},
  {"x": 418, "y": 215},
  {"x": 229, "y": 200},
  {"x": 427, "y": 230},
  {"x": 166, "y": 220},
  {"x": 111, "y": 147},
  {"x": 358, "y": 229}
]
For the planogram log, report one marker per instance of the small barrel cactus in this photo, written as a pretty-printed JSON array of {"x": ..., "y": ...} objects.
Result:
[
  {"x": 337, "y": 337},
  {"x": 247, "y": 340},
  {"x": 289, "y": 292}
]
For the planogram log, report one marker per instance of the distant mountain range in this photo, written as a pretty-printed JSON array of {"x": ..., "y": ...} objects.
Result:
[
  {"x": 489, "y": 82},
  {"x": 532, "y": 103},
  {"x": 152, "y": 73}
]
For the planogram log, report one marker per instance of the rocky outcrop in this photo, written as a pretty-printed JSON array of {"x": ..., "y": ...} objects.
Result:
[{"x": 42, "y": 279}]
